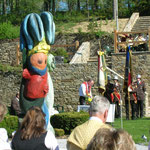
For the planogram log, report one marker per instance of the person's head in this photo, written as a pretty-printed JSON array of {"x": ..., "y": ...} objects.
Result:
[
  {"x": 138, "y": 77},
  {"x": 116, "y": 79},
  {"x": 99, "y": 107},
  {"x": 115, "y": 89},
  {"x": 109, "y": 78},
  {"x": 90, "y": 82},
  {"x": 33, "y": 124},
  {"x": 3, "y": 111},
  {"x": 123, "y": 140},
  {"x": 111, "y": 139},
  {"x": 17, "y": 94}
]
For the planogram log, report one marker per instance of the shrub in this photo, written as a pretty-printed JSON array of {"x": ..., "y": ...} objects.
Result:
[
  {"x": 68, "y": 120},
  {"x": 61, "y": 52},
  {"x": 8, "y": 31},
  {"x": 59, "y": 132},
  {"x": 10, "y": 123}
]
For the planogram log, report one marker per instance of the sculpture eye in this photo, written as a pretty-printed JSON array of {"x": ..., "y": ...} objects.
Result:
[{"x": 40, "y": 61}]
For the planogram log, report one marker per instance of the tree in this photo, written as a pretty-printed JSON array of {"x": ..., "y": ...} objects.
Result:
[{"x": 78, "y": 5}]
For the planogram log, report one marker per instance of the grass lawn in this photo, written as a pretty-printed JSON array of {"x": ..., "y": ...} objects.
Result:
[{"x": 136, "y": 128}]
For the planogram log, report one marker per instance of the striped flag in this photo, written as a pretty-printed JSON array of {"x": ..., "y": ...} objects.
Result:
[
  {"x": 128, "y": 70},
  {"x": 102, "y": 75}
]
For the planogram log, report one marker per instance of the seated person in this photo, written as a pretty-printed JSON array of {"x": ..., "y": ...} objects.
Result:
[
  {"x": 82, "y": 134},
  {"x": 111, "y": 139},
  {"x": 32, "y": 134},
  {"x": 4, "y": 145},
  {"x": 15, "y": 106}
]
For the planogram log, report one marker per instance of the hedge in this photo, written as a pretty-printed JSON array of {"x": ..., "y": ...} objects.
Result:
[
  {"x": 10, "y": 123},
  {"x": 68, "y": 120}
]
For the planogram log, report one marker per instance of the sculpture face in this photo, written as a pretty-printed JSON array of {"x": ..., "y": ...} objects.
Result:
[{"x": 39, "y": 60}]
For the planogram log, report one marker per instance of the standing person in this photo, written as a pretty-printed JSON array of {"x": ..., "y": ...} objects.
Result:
[
  {"x": 140, "y": 92},
  {"x": 15, "y": 106},
  {"x": 133, "y": 101},
  {"x": 82, "y": 134},
  {"x": 115, "y": 96},
  {"x": 32, "y": 133},
  {"x": 109, "y": 89},
  {"x": 4, "y": 145},
  {"x": 116, "y": 84},
  {"x": 85, "y": 91}
]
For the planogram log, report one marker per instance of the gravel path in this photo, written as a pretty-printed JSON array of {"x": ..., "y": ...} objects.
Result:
[{"x": 62, "y": 145}]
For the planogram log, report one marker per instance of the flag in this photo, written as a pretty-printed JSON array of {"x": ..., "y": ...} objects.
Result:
[
  {"x": 102, "y": 75},
  {"x": 128, "y": 70}
]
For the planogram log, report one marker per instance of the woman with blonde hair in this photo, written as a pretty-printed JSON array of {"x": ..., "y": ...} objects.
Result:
[
  {"x": 32, "y": 134},
  {"x": 4, "y": 144},
  {"x": 111, "y": 139}
]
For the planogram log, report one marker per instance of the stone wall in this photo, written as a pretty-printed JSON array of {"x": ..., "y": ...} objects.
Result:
[
  {"x": 68, "y": 77},
  {"x": 8, "y": 52}
]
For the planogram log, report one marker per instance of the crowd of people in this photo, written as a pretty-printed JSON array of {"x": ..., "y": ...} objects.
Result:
[
  {"x": 131, "y": 39},
  {"x": 94, "y": 134},
  {"x": 135, "y": 97}
]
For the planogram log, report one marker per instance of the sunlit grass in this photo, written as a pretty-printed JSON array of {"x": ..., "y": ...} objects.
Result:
[{"x": 136, "y": 128}]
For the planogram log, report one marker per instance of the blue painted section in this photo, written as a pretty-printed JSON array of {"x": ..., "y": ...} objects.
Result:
[{"x": 46, "y": 112}]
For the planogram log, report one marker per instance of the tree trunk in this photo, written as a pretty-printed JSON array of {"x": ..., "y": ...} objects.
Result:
[
  {"x": 4, "y": 7},
  {"x": 46, "y": 5},
  {"x": 95, "y": 4},
  {"x": 53, "y": 7},
  {"x": 11, "y": 6},
  {"x": 78, "y": 5}
]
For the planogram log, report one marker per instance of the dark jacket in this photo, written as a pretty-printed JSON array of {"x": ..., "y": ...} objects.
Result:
[
  {"x": 15, "y": 107},
  {"x": 140, "y": 90}
]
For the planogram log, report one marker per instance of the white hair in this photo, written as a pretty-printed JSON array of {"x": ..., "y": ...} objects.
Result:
[{"x": 99, "y": 104}]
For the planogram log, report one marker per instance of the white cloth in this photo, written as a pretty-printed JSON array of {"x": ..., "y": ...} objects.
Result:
[
  {"x": 82, "y": 90},
  {"x": 149, "y": 146},
  {"x": 4, "y": 145},
  {"x": 50, "y": 141},
  {"x": 96, "y": 118}
]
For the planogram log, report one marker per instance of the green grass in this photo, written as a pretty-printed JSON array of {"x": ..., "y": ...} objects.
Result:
[
  {"x": 136, "y": 128},
  {"x": 64, "y": 26}
]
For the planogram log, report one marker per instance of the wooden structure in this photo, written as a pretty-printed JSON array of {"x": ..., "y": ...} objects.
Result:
[
  {"x": 76, "y": 45},
  {"x": 117, "y": 43}
]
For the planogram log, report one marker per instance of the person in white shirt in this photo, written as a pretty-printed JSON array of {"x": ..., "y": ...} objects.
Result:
[
  {"x": 85, "y": 91},
  {"x": 4, "y": 144}
]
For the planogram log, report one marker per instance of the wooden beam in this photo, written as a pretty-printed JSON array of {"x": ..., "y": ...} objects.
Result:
[
  {"x": 76, "y": 45},
  {"x": 149, "y": 39},
  {"x": 132, "y": 42},
  {"x": 18, "y": 54},
  {"x": 136, "y": 32},
  {"x": 115, "y": 41}
]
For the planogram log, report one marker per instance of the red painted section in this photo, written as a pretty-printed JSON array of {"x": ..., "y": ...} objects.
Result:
[{"x": 36, "y": 86}]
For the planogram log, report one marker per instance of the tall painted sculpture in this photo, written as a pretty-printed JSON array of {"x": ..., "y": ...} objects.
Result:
[{"x": 37, "y": 33}]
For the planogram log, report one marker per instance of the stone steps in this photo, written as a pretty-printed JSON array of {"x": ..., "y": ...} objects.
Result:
[
  {"x": 107, "y": 59},
  {"x": 142, "y": 23}
]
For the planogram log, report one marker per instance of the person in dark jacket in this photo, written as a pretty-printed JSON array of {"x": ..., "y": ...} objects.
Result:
[
  {"x": 140, "y": 92},
  {"x": 32, "y": 134},
  {"x": 109, "y": 89},
  {"x": 133, "y": 101},
  {"x": 15, "y": 106}
]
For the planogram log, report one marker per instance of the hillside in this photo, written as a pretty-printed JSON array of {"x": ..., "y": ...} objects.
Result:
[{"x": 104, "y": 25}]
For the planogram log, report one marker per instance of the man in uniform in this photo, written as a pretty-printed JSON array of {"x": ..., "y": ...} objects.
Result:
[
  {"x": 133, "y": 101},
  {"x": 109, "y": 89},
  {"x": 140, "y": 92}
]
